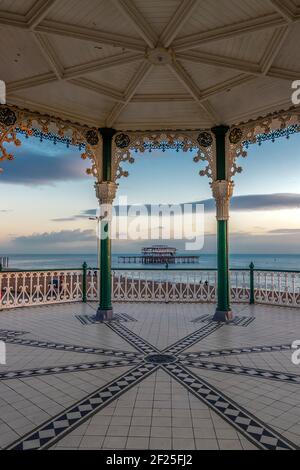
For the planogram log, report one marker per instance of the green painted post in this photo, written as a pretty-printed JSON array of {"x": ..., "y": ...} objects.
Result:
[
  {"x": 252, "y": 297},
  {"x": 223, "y": 312},
  {"x": 223, "y": 269},
  {"x": 84, "y": 282},
  {"x": 105, "y": 311}
]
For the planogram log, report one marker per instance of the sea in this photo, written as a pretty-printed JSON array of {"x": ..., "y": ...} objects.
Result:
[{"x": 289, "y": 262}]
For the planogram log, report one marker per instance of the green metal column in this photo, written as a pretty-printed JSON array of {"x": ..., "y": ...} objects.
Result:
[
  {"x": 252, "y": 296},
  {"x": 223, "y": 312},
  {"x": 84, "y": 283},
  {"x": 105, "y": 310}
]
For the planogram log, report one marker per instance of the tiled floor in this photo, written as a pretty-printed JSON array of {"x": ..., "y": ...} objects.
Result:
[{"x": 156, "y": 379}]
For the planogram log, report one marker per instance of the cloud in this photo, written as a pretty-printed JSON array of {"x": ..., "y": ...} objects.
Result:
[
  {"x": 33, "y": 166},
  {"x": 38, "y": 240},
  {"x": 83, "y": 215},
  {"x": 251, "y": 202},
  {"x": 285, "y": 231}
]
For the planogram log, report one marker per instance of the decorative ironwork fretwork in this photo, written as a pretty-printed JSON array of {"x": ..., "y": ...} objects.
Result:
[
  {"x": 125, "y": 145},
  {"x": 14, "y": 121},
  {"x": 7, "y": 117},
  {"x": 269, "y": 128}
]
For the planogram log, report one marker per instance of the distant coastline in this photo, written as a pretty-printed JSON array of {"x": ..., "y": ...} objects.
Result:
[{"x": 53, "y": 261}]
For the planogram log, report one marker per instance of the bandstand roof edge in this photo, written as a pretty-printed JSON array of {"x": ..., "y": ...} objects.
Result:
[{"x": 148, "y": 65}]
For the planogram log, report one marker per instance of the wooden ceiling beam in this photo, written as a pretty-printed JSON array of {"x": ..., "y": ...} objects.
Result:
[
  {"x": 49, "y": 54},
  {"x": 39, "y": 11},
  {"x": 103, "y": 90},
  {"x": 91, "y": 35},
  {"x": 13, "y": 19},
  {"x": 31, "y": 82},
  {"x": 177, "y": 22},
  {"x": 133, "y": 85},
  {"x": 273, "y": 48},
  {"x": 236, "y": 64},
  {"x": 200, "y": 57},
  {"x": 137, "y": 20},
  {"x": 284, "y": 8},
  {"x": 182, "y": 75},
  {"x": 101, "y": 64},
  {"x": 161, "y": 98},
  {"x": 226, "y": 32}
]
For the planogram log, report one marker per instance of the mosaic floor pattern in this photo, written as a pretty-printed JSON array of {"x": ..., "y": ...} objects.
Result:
[{"x": 169, "y": 379}]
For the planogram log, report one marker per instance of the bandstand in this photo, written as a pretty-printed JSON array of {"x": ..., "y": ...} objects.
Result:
[
  {"x": 124, "y": 76},
  {"x": 117, "y": 78}
]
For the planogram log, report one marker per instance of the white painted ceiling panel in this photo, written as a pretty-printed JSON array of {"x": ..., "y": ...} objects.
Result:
[
  {"x": 73, "y": 52},
  {"x": 217, "y": 13},
  {"x": 95, "y": 14},
  {"x": 22, "y": 7},
  {"x": 249, "y": 47},
  {"x": 157, "y": 12},
  {"x": 20, "y": 57},
  {"x": 289, "y": 56}
]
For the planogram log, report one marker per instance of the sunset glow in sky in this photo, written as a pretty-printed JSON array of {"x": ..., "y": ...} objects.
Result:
[{"x": 46, "y": 198}]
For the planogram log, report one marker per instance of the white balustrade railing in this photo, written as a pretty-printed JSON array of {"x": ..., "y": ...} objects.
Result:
[
  {"x": 240, "y": 286},
  {"x": 164, "y": 286},
  {"x": 277, "y": 288},
  {"x": 19, "y": 289}
]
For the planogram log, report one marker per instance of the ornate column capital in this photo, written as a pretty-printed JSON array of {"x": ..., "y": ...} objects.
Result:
[
  {"x": 106, "y": 192},
  {"x": 222, "y": 192}
]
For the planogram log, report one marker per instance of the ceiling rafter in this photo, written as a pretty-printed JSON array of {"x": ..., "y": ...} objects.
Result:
[
  {"x": 182, "y": 14},
  {"x": 227, "y": 85},
  {"x": 39, "y": 11},
  {"x": 225, "y": 32},
  {"x": 137, "y": 20},
  {"x": 283, "y": 74},
  {"x": 91, "y": 35},
  {"x": 103, "y": 90},
  {"x": 49, "y": 54},
  {"x": 31, "y": 82},
  {"x": 133, "y": 85},
  {"x": 161, "y": 98},
  {"x": 207, "y": 58},
  {"x": 278, "y": 38},
  {"x": 182, "y": 75},
  {"x": 53, "y": 111},
  {"x": 101, "y": 64},
  {"x": 284, "y": 9},
  {"x": 13, "y": 19},
  {"x": 235, "y": 64}
]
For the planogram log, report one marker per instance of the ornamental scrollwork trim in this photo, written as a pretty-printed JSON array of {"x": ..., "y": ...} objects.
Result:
[
  {"x": 14, "y": 120},
  {"x": 125, "y": 144},
  {"x": 241, "y": 135}
]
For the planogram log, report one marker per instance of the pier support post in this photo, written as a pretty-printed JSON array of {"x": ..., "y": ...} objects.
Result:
[
  {"x": 222, "y": 192},
  {"x": 106, "y": 192}
]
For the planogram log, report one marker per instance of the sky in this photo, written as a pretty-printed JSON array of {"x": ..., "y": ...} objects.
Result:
[{"x": 46, "y": 198}]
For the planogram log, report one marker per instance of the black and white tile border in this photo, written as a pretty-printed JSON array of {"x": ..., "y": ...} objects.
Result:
[
  {"x": 193, "y": 338},
  {"x": 237, "y": 321},
  {"x": 63, "y": 369},
  {"x": 237, "y": 351},
  {"x": 244, "y": 422},
  {"x": 71, "y": 348},
  {"x": 91, "y": 319},
  {"x": 240, "y": 370},
  {"x": 133, "y": 339},
  {"x": 50, "y": 432},
  {"x": 11, "y": 333},
  {"x": 263, "y": 436}
]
